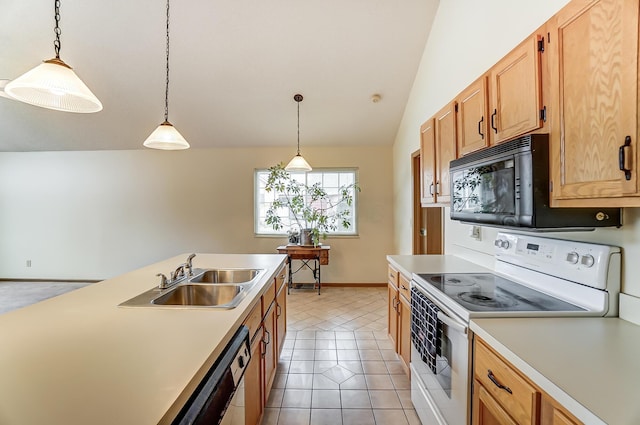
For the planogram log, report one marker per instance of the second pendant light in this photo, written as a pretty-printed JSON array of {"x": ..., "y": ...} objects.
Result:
[{"x": 166, "y": 137}]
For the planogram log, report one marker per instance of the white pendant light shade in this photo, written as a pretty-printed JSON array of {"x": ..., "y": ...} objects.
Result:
[
  {"x": 167, "y": 138},
  {"x": 54, "y": 85},
  {"x": 298, "y": 163}
]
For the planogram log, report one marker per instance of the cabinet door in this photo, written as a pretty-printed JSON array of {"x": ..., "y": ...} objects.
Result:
[
  {"x": 515, "y": 88},
  {"x": 253, "y": 386},
  {"x": 594, "y": 68},
  {"x": 404, "y": 333},
  {"x": 281, "y": 319},
  {"x": 473, "y": 116},
  {"x": 445, "y": 123},
  {"x": 428, "y": 162},
  {"x": 392, "y": 323},
  {"x": 269, "y": 350},
  {"x": 487, "y": 411}
]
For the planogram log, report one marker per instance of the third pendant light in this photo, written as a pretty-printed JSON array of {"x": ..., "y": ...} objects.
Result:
[{"x": 298, "y": 163}]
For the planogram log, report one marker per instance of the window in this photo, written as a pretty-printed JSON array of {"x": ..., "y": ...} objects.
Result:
[{"x": 331, "y": 180}]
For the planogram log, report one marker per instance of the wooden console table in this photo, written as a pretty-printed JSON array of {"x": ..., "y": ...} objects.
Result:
[{"x": 319, "y": 255}]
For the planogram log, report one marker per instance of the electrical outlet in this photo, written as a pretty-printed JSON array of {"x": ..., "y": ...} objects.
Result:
[
  {"x": 474, "y": 233},
  {"x": 28, "y": 263}
]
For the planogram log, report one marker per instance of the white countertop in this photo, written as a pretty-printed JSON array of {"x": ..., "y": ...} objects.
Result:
[
  {"x": 589, "y": 365},
  {"x": 408, "y": 264},
  {"x": 80, "y": 359}
]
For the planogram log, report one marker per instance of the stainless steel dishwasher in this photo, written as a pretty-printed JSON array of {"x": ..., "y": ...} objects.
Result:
[{"x": 213, "y": 401}]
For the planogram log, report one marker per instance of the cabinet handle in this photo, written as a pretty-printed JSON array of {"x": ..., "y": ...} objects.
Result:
[
  {"x": 278, "y": 310},
  {"x": 264, "y": 349},
  {"x": 493, "y": 122},
  {"x": 480, "y": 127},
  {"x": 393, "y": 303},
  {"x": 268, "y": 341},
  {"x": 621, "y": 157},
  {"x": 431, "y": 189},
  {"x": 404, "y": 287},
  {"x": 438, "y": 187},
  {"x": 498, "y": 384}
]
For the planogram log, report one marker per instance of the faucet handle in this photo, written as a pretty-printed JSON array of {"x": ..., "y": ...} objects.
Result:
[
  {"x": 163, "y": 281},
  {"x": 178, "y": 272}
]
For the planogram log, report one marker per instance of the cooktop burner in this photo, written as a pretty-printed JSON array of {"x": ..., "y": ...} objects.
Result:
[{"x": 489, "y": 292}]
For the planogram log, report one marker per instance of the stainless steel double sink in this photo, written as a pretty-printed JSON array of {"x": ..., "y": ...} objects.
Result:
[{"x": 207, "y": 288}]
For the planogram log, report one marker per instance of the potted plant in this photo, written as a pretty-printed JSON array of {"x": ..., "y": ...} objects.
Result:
[{"x": 313, "y": 212}]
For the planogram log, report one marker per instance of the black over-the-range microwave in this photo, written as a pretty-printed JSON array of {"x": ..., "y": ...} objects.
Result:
[{"x": 507, "y": 185}]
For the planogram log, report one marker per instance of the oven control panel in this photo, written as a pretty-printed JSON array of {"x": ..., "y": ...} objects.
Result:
[{"x": 571, "y": 260}]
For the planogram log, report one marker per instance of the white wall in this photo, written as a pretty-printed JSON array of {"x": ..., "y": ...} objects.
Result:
[
  {"x": 94, "y": 215},
  {"x": 466, "y": 39}
]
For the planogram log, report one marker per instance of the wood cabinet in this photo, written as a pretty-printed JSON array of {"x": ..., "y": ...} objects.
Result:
[
  {"x": 473, "y": 117},
  {"x": 437, "y": 149},
  {"x": 516, "y": 91},
  {"x": 594, "y": 77},
  {"x": 502, "y": 395},
  {"x": 267, "y": 325},
  {"x": 399, "y": 316}
]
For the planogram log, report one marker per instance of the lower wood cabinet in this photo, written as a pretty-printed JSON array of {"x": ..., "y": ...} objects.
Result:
[
  {"x": 502, "y": 395},
  {"x": 268, "y": 317},
  {"x": 399, "y": 316}
]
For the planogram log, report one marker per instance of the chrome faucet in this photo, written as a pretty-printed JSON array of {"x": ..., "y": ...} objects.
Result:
[
  {"x": 189, "y": 265},
  {"x": 178, "y": 273}
]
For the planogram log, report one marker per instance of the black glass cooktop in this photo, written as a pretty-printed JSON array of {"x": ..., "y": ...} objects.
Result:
[{"x": 489, "y": 292}]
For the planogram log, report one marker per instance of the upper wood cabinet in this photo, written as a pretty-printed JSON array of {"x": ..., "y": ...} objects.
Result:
[
  {"x": 594, "y": 79},
  {"x": 515, "y": 84},
  {"x": 437, "y": 149},
  {"x": 473, "y": 117}
]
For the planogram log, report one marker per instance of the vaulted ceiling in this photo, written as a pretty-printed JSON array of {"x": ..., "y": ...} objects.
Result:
[{"x": 235, "y": 66}]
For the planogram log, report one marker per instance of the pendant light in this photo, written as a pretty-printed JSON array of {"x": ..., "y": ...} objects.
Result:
[
  {"x": 166, "y": 137},
  {"x": 298, "y": 163},
  {"x": 53, "y": 84}
]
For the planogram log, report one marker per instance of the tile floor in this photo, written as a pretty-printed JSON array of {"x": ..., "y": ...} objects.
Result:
[{"x": 338, "y": 365}]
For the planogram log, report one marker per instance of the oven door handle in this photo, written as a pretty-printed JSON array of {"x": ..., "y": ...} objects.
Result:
[{"x": 452, "y": 323}]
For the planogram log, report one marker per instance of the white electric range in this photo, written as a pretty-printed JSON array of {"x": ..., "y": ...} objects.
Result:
[{"x": 533, "y": 277}]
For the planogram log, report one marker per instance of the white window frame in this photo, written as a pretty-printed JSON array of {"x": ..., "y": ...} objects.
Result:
[{"x": 268, "y": 231}]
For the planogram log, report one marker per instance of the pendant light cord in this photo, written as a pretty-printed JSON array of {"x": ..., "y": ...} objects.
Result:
[
  {"x": 56, "y": 29},
  {"x": 298, "y": 128},
  {"x": 166, "y": 89}
]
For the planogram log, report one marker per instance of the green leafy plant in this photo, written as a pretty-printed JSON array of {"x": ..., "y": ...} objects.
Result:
[{"x": 310, "y": 207}]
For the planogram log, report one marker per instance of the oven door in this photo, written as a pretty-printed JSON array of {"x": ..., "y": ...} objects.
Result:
[{"x": 440, "y": 397}]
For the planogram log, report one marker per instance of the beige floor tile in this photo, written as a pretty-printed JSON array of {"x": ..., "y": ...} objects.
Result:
[
  {"x": 369, "y": 354},
  {"x": 280, "y": 380},
  {"x": 296, "y": 398},
  {"x": 326, "y": 417},
  {"x": 294, "y": 417},
  {"x": 379, "y": 382},
  {"x": 364, "y": 334},
  {"x": 299, "y": 354},
  {"x": 344, "y": 335},
  {"x": 354, "y": 366},
  {"x": 405, "y": 399},
  {"x": 412, "y": 417},
  {"x": 338, "y": 374},
  {"x": 357, "y": 417},
  {"x": 301, "y": 366},
  {"x": 326, "y": 344},
  {"x": 384, "y": 344},
  {"x": 325, "y": 399},
  {"x": 373, "y": 367},
  {"x": 389, "y": 417},
  {"x": 388, "y": 354},
  {"x": 305, "y": 344},
  {"x": 325, "y": 355},
  {"x": 401, "y": 382},
  {"x": 321, "y": 382},
  {"x": 321, "y": 366},
  {"x": 367, "y": 344},
  {"x": 395, "y": 367},
  {"x": 325, "y": 334},
  {"x": 300, "y": 381},
  {"x": 381, "y": 335},
  {"x": 348, "y": 354},
  {"x": 288, "y": 344},
  {"x": 384, "y": 399},
  {"x": 286, "y": 354},
  {"x": 345, "y": 344},
  {"x": 283, "y": 365},
  {"x": 270, "y": 416},
  {"x": 356, "y": 382},
  {"x": 275, "y": 397},
  {"x": 355, "y": 399}
]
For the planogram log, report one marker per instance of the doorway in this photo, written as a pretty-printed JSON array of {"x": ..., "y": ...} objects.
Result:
[{"x": 427, "y": 221}]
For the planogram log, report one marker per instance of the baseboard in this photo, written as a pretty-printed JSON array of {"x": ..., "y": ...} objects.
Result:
[
  {"x": 355, "y": 285},
  {"x": 51, "y": 280}
]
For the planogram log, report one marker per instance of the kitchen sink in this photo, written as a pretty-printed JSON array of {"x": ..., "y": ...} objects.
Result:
[
  {"x": 201, "y": 295},
  {"x": 224, "y": 275},
  {"x": 208, "y": 288}
]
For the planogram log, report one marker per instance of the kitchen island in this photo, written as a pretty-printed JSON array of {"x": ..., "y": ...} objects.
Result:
[{"x": 81, "y": 359}]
